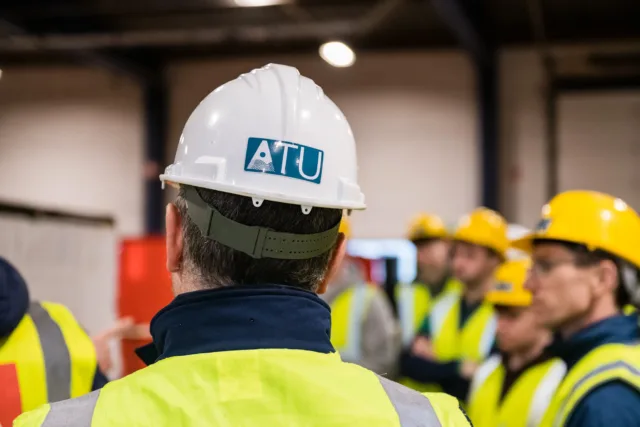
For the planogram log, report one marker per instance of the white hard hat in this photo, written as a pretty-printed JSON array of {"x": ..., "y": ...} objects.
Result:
[
  {"x": 271, "y": 134},
  {"x": 515, "y": 232}
]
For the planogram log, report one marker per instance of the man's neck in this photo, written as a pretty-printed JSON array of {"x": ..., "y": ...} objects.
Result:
[
  {"x": 475, "y": 293},
  {"x": 595, "y": 315},
  {"x": 435, "y": 286},
  {"x": 519, "y": 359}
]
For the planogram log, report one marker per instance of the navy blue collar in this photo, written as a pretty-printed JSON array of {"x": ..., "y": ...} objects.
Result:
[
  {"x": 240, "y": 318},
  {"x": 619, "y": 329}
]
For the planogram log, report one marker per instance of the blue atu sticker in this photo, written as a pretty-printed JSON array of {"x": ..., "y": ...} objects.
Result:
[{"x": 284, "y": 158}]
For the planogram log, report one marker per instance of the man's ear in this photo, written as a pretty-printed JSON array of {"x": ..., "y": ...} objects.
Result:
[
  {"x": 607, "y": 279},
  {"x": 334, "y": 263},
  {"x": 174, "y": 238}
]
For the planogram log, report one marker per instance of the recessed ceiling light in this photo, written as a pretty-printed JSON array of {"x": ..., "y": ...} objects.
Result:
[{"x": 337, "y": 54}]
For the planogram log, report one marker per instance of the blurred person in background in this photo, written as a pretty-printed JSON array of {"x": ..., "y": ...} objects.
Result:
[
  {"x": 514, "y": 388},
  {"x": 459, "y": 332},
  {"x": 433, "y": 252},
  {"x": 363, "y": 328},
  {"x": 585, "y": 270},
  {"x": 45, "y": 355},
  {"x": 252, "y": 239}
]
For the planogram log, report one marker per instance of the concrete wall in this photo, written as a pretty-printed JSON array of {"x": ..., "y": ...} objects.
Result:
[{"x": 72, "y": 138}]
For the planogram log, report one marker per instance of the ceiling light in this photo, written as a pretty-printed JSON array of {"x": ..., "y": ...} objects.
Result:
[
  {"x": 337, "y": 54},
  {"x": 258, "y": 3}
]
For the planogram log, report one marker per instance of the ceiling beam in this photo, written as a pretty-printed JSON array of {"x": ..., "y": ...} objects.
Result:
[
  {"x": 302, "y": 30},
  {"x": 457, "y": 17},
  {"x": 87, "y": 56}
]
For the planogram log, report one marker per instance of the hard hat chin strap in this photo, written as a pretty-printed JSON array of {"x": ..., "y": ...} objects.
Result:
[{"x": 257, "y": 242}]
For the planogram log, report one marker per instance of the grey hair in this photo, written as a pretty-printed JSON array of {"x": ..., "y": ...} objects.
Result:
[{"x": 214, "y": 265}]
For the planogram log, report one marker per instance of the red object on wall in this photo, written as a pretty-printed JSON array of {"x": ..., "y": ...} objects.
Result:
[
  {"x": 144, "y": 288},
  {"x": 10, "y": 402}
]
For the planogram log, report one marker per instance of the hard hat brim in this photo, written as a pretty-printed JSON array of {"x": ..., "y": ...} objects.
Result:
[
  {"x": 525, "y": 243},
  {"x": 508, "y": 299},
  {"x": 424, "y": 236},
  {"x": 273, "y": 197}
]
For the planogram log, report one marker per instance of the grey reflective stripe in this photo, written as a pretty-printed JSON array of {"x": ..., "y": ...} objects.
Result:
[
  {"x": 413, "y": 408},
  {"x": 57, "y": 360},
  {"x": 603, "y": 368},
  {"x": 72, "y": 413}
]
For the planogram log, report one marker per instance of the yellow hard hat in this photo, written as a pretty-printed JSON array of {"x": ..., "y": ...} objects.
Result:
[
  {"x": 426, "y": 226},
  {"x": 345, "y": 227},
  {"x": 509, "y": 284},
  {"x": 484, "y": 227},
  {"x": 590, "y": 218}
]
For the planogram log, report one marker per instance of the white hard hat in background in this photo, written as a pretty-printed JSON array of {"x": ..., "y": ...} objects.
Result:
[
  {"x": 514, "y": 232},
  {"x": 271, "y": 134}
]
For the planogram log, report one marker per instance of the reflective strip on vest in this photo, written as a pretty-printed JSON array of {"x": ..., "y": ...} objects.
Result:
[
  {"x": 406, "y": 306},
  {"x": 57, "y": 360},
  {"x": 76, "y": 412},
  {"x": 488, "y": 336},
  {"x": 562, "y": 413},
  {"x": 352, "y": 350},
  {"x": 544, "y": 393},
  {"x": 413, "y": 408},
  {"x": 440, "y": 311}
]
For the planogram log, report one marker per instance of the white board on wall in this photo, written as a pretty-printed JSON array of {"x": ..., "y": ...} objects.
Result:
[
  {"x": 599, "y": 143},
  {"x": 68, "y": 262}
]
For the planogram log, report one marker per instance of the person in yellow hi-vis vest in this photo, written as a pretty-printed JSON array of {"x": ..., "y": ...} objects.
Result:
[
  {"x": 265, "y": 167},
  {"x": 514, "y": 388},
  {"x": 45, "y": 355},
  {"x": 585, "y": 270},
  {"x": 363, "y": 327},
  {"x": 433, "y": 246},
  {"x": 459, "y": 332}
]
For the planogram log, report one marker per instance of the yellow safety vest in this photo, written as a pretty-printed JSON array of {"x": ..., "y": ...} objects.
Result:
[
  {"x": 348, "y": 311},
  {"x": 450, "y": 342},
  {"x": 268, "y": 387},
  {"x": 473, "y": 341},
  {"x": 526, "y": 401},
  {"x": 609, "y": 362},
  {"x": 51, "y": 359},
  {"x": 414, "y": 302}
]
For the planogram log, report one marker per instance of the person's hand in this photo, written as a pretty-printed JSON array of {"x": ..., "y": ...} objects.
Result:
[
  {"x": 422, "y": 348},
  {"x": 123, "y": 328},
  {"x": 468, "y": 368}
]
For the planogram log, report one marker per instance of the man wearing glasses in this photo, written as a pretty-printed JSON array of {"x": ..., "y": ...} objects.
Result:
[{"x": 585, "y": 270}]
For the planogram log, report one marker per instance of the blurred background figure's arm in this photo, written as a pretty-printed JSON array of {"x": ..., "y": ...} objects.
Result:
[
  {"x": 381, "y": 337},
  {"x": 123, "y": 328}
]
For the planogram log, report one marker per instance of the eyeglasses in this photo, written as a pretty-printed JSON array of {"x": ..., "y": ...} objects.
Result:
[{"x": 544, "y": 267}]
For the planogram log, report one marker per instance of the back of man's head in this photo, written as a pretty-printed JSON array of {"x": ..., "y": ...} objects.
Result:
[
  {"x": 211, "y": 264},
  {"x": 266, "y": 164}
]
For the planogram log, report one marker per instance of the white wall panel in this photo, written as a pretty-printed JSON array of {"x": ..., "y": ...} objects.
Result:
[
  {"x": 414, "y": 118},
  {"x": 599, "y": 143},
  {"x": 72, "y": 138}
]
